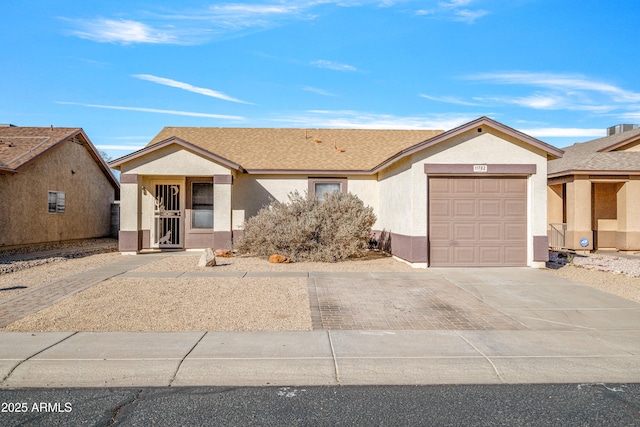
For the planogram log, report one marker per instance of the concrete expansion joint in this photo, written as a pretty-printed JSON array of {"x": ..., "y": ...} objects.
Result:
[
  {"x": 175, "y": 374},
  {"x": 32, "y": 356},
  {"x": 333, "y": 355},
  {"x": 487, "y": 358}
]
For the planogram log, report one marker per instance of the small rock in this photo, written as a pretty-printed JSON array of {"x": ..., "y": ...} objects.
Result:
[
  {"x": 275, "y": 258},
  {"x": 207, "y": 259},
  {"x": 223, "y": 253}
]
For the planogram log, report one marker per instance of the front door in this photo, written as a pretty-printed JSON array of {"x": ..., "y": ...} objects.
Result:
[{"x": 167, "y": 215}]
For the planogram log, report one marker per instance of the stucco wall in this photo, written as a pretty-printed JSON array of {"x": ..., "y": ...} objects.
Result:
[
  {"x": 403, "y": 187},
  {"x": 173, "y": 160},
  {"x": 252, "y": 192},
  {"x": 24, "y": 198}
]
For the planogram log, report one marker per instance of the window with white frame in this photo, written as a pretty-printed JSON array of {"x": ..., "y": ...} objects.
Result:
[
  {"x": 202, "y": 205},
  {"x": 56, "y": 201}
]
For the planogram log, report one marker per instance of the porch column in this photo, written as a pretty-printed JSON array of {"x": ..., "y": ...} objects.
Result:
[
  {"x": 579, "y": 212},
  {"x": 130, "y": 235},
  {"x": 222, "y": 185},
  {"x": 628, "y": 234}
]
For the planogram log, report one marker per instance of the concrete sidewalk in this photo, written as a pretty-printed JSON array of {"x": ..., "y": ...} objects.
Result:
[{"x": 112, "y": 359}]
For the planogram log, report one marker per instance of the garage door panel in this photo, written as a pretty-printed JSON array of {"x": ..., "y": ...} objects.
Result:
[
  {"x": 515, "y": 186},
  {"x": 464, "y": 231},
  {"x": 439, "y": 186},
  {"x": 489, "y": 231},
  {"x": 515, "y": 231},
  {"x": 490, "y": 255},
  {"x": 440, "y": 208},
  {"x": 441, "y": 254},
  {"x": 515, "y": 208},
  {"x": 441, "y": 231},
  {"x": 513, "y": 255},
  {"x": 489, "y": 208},
  {"x": 463, "y": 186},
  {"x": 464, "y": 255},
  {"x": 477, "y": 221},
  {"x": 488, "y": 186},
  {"x": 464, "y": 208}
]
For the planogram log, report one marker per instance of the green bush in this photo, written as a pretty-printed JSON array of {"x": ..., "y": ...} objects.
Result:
[{"x": 307, "y": 229}]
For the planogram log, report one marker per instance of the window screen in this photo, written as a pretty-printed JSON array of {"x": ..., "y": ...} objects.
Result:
[
  {"x": 202, "y": 205},
  {"x": 322, "y": 188},
  {"x": 56, "y": 202}
]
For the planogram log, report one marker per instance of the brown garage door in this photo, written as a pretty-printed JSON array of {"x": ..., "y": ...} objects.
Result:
[{"x": 477, "y": 221}]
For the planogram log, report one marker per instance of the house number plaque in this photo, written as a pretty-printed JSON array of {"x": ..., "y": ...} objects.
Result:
[{"x": 480, "y": 168}]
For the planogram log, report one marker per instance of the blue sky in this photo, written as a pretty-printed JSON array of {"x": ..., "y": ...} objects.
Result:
[{"x": 561, "y": 71}]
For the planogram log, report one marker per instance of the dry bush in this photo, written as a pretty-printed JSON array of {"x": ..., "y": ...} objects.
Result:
[{"x": 307, "y": 229}]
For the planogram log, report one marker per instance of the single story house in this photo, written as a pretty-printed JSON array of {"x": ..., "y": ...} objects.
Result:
[
  {"x": 472, "y": 196},
  {"x": 594, "y": 193},
  {"x": 54, "y": 186}
]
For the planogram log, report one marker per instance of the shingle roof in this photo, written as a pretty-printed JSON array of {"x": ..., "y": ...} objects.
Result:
[
  {"x": 18, "y": 145},
  {"x": 299, "y": 149},
  {"x": 592, "y": 156},
  {"x": 291, "y": 151}
]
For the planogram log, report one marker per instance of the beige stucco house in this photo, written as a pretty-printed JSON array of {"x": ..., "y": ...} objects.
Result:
[
  {"x": 472, "y": 196},
  {"x": 594, "y": 193},
  {"x": 53, "y": 186}
]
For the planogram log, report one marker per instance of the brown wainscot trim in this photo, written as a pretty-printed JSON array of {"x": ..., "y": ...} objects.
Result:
[
  {"x": 223, "y": 179},
  {"x": 479, "y": 169},
  {"x": 409, "y": 248},
  {"x": 222, "y": 239},
  {"x": 540, "y": 248},
  {"x": 146, "y": 239},
  {"x": 129, "y": 178},
  {"x": 314, "y": 180},
  {"x": 198, "y": 240},
  {"x": 130, "y": 241},
  {"x": 236, "y": 235}
]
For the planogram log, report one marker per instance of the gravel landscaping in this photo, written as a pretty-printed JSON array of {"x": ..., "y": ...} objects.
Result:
[{"x": 203, "y": 304}]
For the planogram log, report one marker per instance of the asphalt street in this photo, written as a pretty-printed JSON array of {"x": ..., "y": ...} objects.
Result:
[{"x": 456, "y": 405}]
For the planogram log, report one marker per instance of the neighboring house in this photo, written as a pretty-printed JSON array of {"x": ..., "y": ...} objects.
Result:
[
  {"x": 54, "y": 186},
  {"x": 594, "y": 193},
  {"x": 472, "y": 196}
]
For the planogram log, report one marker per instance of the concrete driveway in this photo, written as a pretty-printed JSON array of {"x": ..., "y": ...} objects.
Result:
[{"x": 465, "y": 299}]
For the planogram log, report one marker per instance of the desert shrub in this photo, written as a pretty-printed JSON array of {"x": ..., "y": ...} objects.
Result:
[{"x": 307, "y": 229}]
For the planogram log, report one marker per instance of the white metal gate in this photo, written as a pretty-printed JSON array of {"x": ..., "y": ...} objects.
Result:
[{"x": 167, "y": 216}]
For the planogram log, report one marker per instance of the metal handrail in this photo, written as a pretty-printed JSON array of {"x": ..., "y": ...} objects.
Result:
[{"x": 557, "y": 235}]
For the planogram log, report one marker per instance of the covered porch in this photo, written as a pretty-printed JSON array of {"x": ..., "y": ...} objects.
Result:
[{"x": 590, "y": 212}]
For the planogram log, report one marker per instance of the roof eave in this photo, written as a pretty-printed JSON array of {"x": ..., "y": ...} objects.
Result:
[
  {"x": 117, "y": 163},
  {"x": 552, "y": 152},
  {"x": 592, "y": 172},
  {"x": 617, "y": 145},
  {"x": 323, "y": 172}
]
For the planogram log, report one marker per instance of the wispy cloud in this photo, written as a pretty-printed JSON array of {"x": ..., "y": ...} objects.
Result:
[
  {"x": 563, "y": 82},
  {"x": 451, "y": 100},
  {"x": 198, "y": 25},
  {"x": 318, "y": 91},
  {"x": 188, "y": 87},
  {"x": 564, "y": 132},
  {"x": 333, "y": 65},
  {"x": 454, "y": 10},
  {"x": 155, "y": 110},
  {"x": 123, "y": 32},
  {"x": 350, "y": 119},
  {"x": 573, "y": 92},
  {"x": 120, "y": 147}
]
